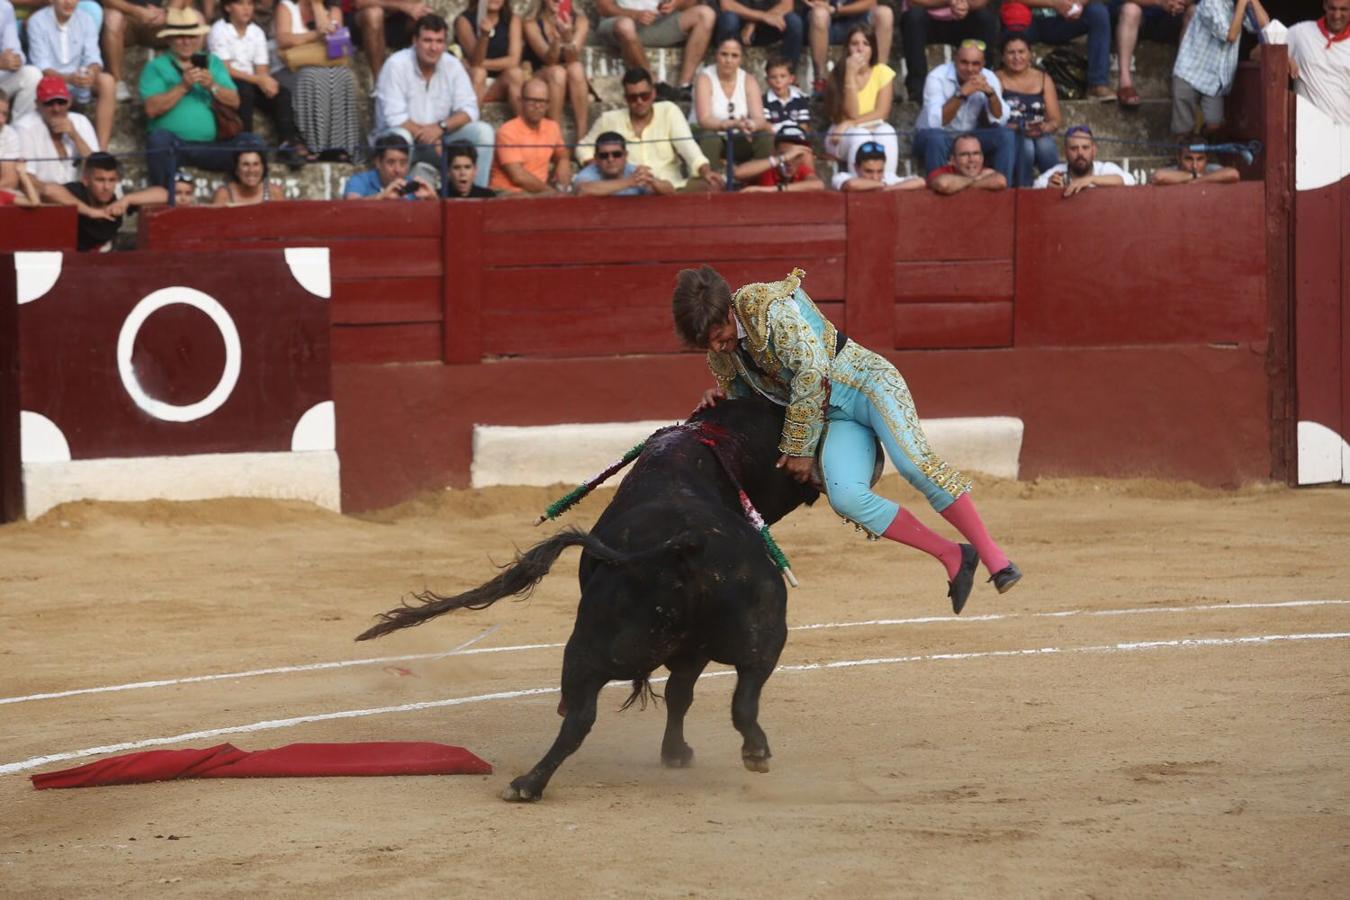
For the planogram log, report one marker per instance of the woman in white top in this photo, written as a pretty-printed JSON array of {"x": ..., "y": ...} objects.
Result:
[
  {"x": 325, "y": 96},
  {"x": 726, "y": 99}
]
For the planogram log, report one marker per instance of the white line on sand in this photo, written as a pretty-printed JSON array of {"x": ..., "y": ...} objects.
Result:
[
  {"x": 462, "y": 651},
  {"x": 272, "y": 724}
]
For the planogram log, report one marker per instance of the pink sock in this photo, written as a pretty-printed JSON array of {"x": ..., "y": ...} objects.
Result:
[
  {"x": 907, "y": 530},
  {"x": 964, "y": 517}
]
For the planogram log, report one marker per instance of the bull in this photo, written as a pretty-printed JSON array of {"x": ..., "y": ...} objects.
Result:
[{"x": 672, "y": 574}]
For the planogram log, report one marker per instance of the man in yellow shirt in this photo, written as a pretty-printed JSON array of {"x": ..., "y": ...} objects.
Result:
[
  {"x": 657, "y": 134},
  {"x": 527, "y": 144}
]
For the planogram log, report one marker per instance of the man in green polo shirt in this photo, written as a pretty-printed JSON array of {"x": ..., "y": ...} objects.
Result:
[{"x": 178, "y": 89}]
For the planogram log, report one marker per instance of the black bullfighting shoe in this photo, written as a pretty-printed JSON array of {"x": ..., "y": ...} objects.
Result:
[
  {"x": 958, "y": 589},
  {"x": 1006, "y": 577}
]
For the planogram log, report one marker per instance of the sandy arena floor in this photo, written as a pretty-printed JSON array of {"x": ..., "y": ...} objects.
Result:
[{"x": 1127, "y": 761}]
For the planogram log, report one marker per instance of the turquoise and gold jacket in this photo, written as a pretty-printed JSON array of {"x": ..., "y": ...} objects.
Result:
[{"x": 785, "y": 356}]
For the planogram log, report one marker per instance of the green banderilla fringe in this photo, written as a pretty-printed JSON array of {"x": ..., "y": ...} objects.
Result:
[
  {"x": 777, "y": 555},
  {"x": 574, "y": 496}
]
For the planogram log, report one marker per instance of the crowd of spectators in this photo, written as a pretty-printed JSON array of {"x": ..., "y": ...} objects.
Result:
[{"x": 988, "y": 119}]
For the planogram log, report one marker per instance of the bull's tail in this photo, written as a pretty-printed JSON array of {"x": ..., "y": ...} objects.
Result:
[{"x": 518, "y": 578}]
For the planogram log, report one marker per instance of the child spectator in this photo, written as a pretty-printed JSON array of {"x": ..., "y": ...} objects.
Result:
[
  {"x": 834, "y": 21},
  {"x": 527, "y": 144},
  {"x": 553, "y": 41},
  {"x": 859, "y": 101},
  {"x": 17, "y": 78},
  {"x": 871, "y": 172},
  {"x": 791, "y": 166},
  {"x": 184, "y": 188},
  {"x": 325, "y": 95},
  {"x": 462, "y": 161},
  {"x": 1207, "y": 61},
  {"x": 242, "y": 46},
  {"x": 247, "y": 183},
  {"x": 610, "y": 174},
  {"x": 94, "y": 196},
  {"x": 727, "y": 99},
  {"x": 784, "y": 102},
  {"x": 497, "y": 57},
  {"x": 63, "y": 40}
]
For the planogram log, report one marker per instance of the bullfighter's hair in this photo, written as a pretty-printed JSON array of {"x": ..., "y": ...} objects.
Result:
[{"x": 702, "y": 299}]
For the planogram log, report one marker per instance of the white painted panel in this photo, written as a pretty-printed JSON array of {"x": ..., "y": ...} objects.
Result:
[
  {"x": 569, "y": 454},
  {"x": 1322, "y": 454},
  {"x": 278, "y": 476}
]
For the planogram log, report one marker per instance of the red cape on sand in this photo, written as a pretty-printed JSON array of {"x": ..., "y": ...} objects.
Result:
[{"x": 291, "y": 761}]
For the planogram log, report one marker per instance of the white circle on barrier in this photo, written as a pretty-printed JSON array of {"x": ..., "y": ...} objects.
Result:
[{"x": 126, "y": 342}]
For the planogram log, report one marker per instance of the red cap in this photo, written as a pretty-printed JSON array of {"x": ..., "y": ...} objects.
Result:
[
  {"x": 1016, "y": 16},
  {"x": 52, "y": 87}
]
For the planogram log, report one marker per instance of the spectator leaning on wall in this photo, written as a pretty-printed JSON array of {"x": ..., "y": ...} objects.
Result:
[
  {"x": 966, "y": 171},
  {"x": 462, "y": 165},
  {"x": 1082, "y": 171},
  {"x": 95, "y": 198},
  {"x": 387, "y": 178},
  {"x": 610, "y": 174},
  {"x": 1193, "y": 167}
]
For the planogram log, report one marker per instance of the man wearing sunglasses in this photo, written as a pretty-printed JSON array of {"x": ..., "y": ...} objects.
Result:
[
  {"x": 657, "y": 135},
  {"x": 963, "y": 97},
  {"x": 1082, "y": 170},
  {"x": 610, "y": 174},
  {"x": 55, "y": 139}
]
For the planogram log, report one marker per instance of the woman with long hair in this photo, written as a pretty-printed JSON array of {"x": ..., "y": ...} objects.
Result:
[
  {"x": 728, "y": 100},
  {"x": 858, "y": 101},
  {"x": 554, "y": 36},
  {"x": 1033, "y": 110},
  {"x": 492, "y": 49},
  {"x": 247, "y": 183}
]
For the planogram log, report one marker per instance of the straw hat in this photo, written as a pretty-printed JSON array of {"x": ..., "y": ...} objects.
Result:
[{"x": 182, "y": 23}]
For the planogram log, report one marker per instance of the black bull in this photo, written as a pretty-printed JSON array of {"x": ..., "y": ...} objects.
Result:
[{"x": 672, "y": 574}]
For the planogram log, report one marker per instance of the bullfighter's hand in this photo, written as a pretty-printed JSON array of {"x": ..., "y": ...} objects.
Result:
[
  {"x": 799, "y": 467},
  {"x": 710, "y": 398}
]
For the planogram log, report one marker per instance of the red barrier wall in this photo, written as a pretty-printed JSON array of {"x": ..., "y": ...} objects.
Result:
[
  {"x": 1127, "y": 331},
  {"x": 37, "y": 228}
]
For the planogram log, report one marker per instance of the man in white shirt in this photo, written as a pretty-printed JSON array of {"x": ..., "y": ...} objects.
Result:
[
  {"x": 54, "y": 139},
  {"x": 427, "y": 93},
  {"x": 1319, "y": 57},
  {"x": 963, "y": 97},
  {"x": 17, "y": 78},
  {"x": 63, "y": 40},
  {"x": 1082, "y": 171}
]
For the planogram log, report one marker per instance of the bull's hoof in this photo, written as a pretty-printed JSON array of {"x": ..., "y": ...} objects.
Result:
[
  {"x": 518, "y": 792},
  {"x": 756, "y": 763},
  {"x": 682, "y": 759}
]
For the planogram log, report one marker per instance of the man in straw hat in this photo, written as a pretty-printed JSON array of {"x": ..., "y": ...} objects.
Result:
[{"x": 178, "y": 89}]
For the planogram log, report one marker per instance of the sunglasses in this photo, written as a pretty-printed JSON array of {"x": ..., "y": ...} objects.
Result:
[
  {"x": 1078, "y": 129},
  {"x": 610, "y": 154},
  {"x": 872, "y": 147},
  {"x": 971, "y": 42},
  {"x": 638, "y": 97}
]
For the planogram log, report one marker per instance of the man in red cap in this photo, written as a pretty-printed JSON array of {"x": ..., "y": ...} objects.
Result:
[{"x": 54, "y": 139}]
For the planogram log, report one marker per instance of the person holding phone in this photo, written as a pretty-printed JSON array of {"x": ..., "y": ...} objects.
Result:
[
  {"x": 178, "y": 89},
  {"x": 554, "y": 36}
]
